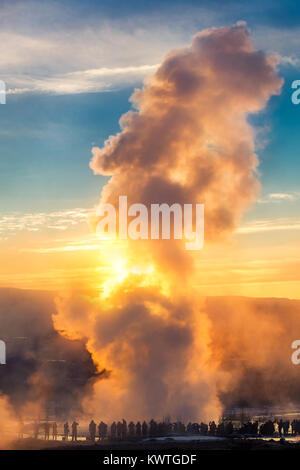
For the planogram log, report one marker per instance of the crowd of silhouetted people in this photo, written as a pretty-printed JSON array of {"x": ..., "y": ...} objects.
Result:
[{"x": 122, "y": 431}]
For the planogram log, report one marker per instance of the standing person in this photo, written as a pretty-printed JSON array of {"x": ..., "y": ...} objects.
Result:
[
  {"x": 212, "y": 428},
  {"x": 92, "y": 430},
  {"x": 113, "y": 430},
  {"x": 102, "y": 430},
  {"x": 280, "y": 426},
  {"x": 66, "y": 431},
  {"x": 286, "y": 426},
  {"x": 124, "y": 429},
  {"x": 74, "y": 430},
  {"x": 138, "y": 429},
  {"x": 145, "y": 429},
  {"x": 54, "y": 431},
  {"x": 131, "y": 429},
  {"x": 152, "y": 428},
  {"x": 119, "y": 430},
  {"x": 36, "y": 429},
  {"x": 104, "y": 434},
  {"x": 47, "y": 430}
]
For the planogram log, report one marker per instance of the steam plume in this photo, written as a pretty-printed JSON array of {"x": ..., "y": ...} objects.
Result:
[{"x": 189, "y": 141}]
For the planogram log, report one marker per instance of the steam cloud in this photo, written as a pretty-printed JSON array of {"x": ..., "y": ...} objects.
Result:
[
  {"x": 251, "y": 342},
  {"x": 188, "y": 141},
  {"x": 45, "y": 373}
]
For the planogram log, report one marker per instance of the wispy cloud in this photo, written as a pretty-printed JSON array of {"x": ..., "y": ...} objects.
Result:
[
  {"x": 60, "y": 220},
  {"x": 54, "y": 50},
  {"x": 268, "y": 225},
  {"x": 283, "y": 41},
  {"x": 289, "y": 60},
  {"x": 279, "y": 197},
  {"x": 282, "y": 196},
  {"x": 13, "y": 223},
  {"x": 87, "y": 244},
  {"x": 79, "y": 57},
  {"x": 86, "y": 81}
]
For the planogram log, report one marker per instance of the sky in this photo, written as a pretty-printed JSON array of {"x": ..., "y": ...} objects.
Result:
[{"x": 70, "y": 68}]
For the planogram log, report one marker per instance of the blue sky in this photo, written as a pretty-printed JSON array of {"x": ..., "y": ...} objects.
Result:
[{"x": 71, "y": 66}]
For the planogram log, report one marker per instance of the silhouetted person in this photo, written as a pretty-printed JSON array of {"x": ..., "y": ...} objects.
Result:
[
  {"x": 246, "y": 428},
  {"x": 36, "y": 429},
  {"x": 74, "y": 430},
  {"x": 124, "y": 430},
  {"x": 144, "y": 429},
  {"x": 179, "y": 427},
  {"x": 119, "y": 430},
  {"x": 102, "y": 430},
  {"x": 267, "y": 428},
  {"x": 54, "y": 431},
  {"x": 113, "y": 430},
  {"x": 168, "y": 426},
  {"x": 47, "y": 431},
  {"x": 280, "y": 427},
  {"x": 229, "y": 428},
  {"x": 66, "y": 431},
  {"x": 221, "y": 429},
  {"x": 153, "y": 428},
  {"x": 138, "y": 429},
  {"x": 212, "y": 428},
  {"x": 255, "y": 427},
  {"x": 104, "y": 434},
  {"x": 162, "y": 428},
  {"x": 286, "y": 426},
  {"x": 92, "y": 430},
  {"x": 131, "y": 429},
  {"x": 203, "y": 429},
  {"x": 196, "y": 428}
]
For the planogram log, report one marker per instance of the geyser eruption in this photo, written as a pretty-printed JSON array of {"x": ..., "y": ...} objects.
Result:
[{"x": 188, "y": 141}]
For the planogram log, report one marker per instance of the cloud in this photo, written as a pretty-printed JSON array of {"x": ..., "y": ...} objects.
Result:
[
  {"x": 40, "y": 362},
  {"x": 189, "y": 139},
  {"x": 58, "y": 220},
  {"x": 86, "y": 81},
  {"x": 269, "y": 225},
  {"x": 91, "y": 243},
  {"x": 279, "y": 197},
  {"x": 62, "y": 221},
  {"x": 252, "y": 342},
  {"x": 55, "y": 50},
  {"x": 283, "y": 41},
  {"x": 285, "y": 196},
  {"x": 288, "y": 60},
  {"x": 80, "y": 56}
]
